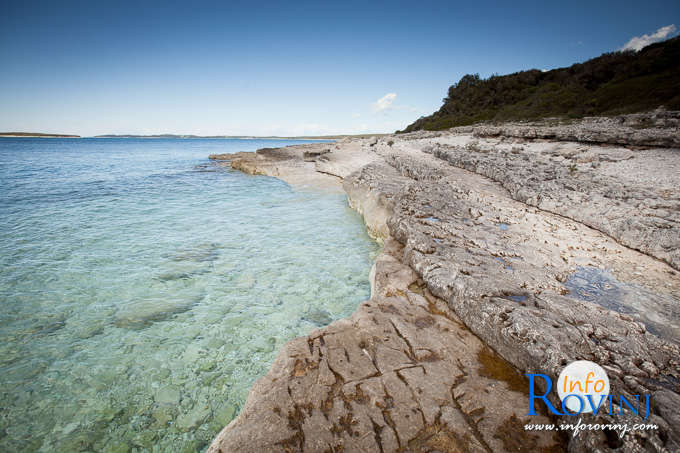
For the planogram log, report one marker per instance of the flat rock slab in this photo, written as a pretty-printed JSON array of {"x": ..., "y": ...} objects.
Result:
[{"x": 630, "y": 196}]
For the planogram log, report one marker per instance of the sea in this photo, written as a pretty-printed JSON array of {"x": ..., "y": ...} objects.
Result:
[{"x": 144, "y": 288}]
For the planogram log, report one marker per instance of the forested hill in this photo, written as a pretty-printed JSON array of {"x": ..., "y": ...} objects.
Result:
[{"x": 614, "y": 83}]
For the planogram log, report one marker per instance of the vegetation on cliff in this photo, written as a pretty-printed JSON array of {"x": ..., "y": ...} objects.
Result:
[{"x": 613, "y": 83}]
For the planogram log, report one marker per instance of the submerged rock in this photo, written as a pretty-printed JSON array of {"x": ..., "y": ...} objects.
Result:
[
  {"x": 117, "y": 447},
  {"x": 169, "y": 276},
  {"x": 224, "y": 414},
  {"x": 168, "y": 394},
  {"x": 200, "y": 253},
  {"x": 135, "y": 315},
  {"x": 318, "y": 316},
  {"x": 194, "y": 418}
]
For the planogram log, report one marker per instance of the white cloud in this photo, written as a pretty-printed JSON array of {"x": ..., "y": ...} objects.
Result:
[
  {"x": 638, "y": 42},
  {"x": 384, "y": 103}
]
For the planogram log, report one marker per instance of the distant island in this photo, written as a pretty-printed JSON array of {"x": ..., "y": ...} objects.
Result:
[
  {"x": 611, "y": 84},
  {"x": 180, "y": 136},
  {"x": 36, "y": 134},
  {"x": 298, "y": 137}
]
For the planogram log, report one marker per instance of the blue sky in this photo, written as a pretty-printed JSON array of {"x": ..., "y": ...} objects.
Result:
[{"x": 283, "y": 68}]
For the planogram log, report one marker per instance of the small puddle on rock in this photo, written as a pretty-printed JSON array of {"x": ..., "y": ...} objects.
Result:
[
  {"x": 416, "y": 288},
  {"x": 517, "y": 298},
  {"x": 432, "y": 219},
  {"x": 660, "y": 313},
  {"x": 318, "y": 317},
  {"x": 493, "y": 366},
  {"x": 505, "y": 263},
  {"x": 503, "y": 226}
]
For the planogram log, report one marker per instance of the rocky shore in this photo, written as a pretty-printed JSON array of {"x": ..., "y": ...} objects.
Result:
[{"x": 508, "y": 249}]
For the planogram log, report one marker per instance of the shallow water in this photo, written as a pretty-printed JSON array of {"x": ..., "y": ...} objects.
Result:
[
  {"x": 658, "y": 312},
  {"x": 144, "y": 289}
]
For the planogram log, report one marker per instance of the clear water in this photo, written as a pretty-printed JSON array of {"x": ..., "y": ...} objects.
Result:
[
  {"x": 660, "y": 313},
  {"x": 143, "y": 289}
]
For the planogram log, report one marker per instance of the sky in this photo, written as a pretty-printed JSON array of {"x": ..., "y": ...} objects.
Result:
[{"x": 284, "y": 68}]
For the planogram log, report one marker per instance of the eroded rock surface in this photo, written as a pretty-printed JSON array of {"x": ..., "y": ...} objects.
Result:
[
  {"x": 659, "y": 128},
  {"x": 504, "y": 254},
  {"x": 628, "y": 195}
]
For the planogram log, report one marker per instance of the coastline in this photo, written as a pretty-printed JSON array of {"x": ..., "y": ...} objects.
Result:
[
  {"x": 471, "y": 251},
  {"x": 38, "y": 136},
  {"x": 315, "y": 138}
]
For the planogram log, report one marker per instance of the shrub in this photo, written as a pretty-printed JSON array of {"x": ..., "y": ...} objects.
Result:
[{"x": 614, "y": 83}]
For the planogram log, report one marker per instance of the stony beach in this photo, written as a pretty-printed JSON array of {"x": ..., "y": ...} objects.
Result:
[{"x": 508, "y": 249}]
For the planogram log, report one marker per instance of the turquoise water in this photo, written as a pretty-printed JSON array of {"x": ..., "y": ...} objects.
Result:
[{"x": 143, "y": 289}]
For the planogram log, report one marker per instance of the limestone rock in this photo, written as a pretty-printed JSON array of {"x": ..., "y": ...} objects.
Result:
[{"x": 507, "y": 249}]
